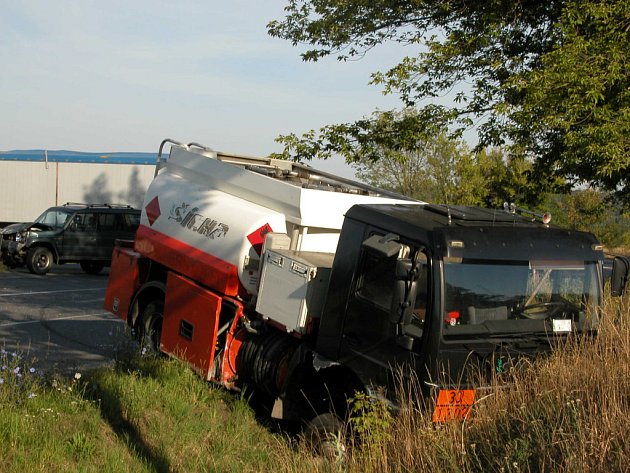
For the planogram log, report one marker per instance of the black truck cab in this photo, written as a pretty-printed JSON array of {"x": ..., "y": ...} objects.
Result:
[{"x": 445, "y": 292}]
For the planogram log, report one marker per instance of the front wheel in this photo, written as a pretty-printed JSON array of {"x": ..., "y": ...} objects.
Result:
[
  {"x": 39, "y": 260},
  {"x": 326, "y": 435}
]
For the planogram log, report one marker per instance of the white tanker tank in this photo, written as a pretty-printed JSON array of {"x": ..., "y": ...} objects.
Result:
[{"x": 207, "y": 209}]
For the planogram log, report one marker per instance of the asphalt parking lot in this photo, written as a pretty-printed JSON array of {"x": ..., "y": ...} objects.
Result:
[{"x": 58, "y": 320}]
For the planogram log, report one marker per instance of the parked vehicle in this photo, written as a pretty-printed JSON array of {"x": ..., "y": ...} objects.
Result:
[
  {"x": 308, "y": 287},
  {"x": 71, "y": 233}
]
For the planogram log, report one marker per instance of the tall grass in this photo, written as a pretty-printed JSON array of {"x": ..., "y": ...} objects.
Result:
[{"x": 566, "y": 412}]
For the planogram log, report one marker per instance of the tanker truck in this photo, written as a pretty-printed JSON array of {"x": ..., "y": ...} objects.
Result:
[{"x": 308, "y": 288}]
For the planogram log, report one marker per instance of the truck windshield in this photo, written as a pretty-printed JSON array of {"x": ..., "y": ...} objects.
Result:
[
  {"x": 55, "y": 219},
  {"x": 496, "y": 294}
]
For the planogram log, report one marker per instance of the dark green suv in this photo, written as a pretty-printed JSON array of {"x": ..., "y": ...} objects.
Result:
[{"x": 71, "y": 233}]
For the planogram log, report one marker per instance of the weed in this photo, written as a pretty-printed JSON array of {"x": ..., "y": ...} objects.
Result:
[
  {"x": 370, "y": 418},
  {"x": 82, "y": 446}
]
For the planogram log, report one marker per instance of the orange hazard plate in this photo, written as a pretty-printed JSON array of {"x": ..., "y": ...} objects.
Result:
[{"x": 453, "y": 404}]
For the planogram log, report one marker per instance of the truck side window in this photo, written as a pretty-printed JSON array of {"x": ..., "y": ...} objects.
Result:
[{"x": 376, "y": 279}]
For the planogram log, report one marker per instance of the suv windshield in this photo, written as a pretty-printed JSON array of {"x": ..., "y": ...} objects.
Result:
[
  {"x": 55, "y": 219},
  {"x": 479, "y": 292}
]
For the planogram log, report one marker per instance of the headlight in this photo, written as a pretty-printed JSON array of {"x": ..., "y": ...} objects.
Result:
[{"x": 20, "y": 236}]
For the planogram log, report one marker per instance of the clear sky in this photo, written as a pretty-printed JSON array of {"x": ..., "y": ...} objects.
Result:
[{"x": 121, "y": 75}]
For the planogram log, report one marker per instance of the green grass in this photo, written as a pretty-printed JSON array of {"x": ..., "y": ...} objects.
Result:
[
  {"x": 567, "y": 412},
  {"x": 146, "y": 414}
]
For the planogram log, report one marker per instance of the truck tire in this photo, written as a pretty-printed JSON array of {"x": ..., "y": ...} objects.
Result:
[
  {"x": 39, "y": 260},
  {"x": 151, "y": 325},
  {"x": 92, "y": 267},
  {"x": 326, "y": 436}
]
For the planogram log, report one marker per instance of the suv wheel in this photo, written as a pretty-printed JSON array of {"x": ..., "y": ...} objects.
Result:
[
  {"x": 39, "y": 260},
  {"x": 92, "y": 267}
]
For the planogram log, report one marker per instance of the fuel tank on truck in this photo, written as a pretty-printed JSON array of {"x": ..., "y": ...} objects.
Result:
[
  {"x": 205, "y": 233},
  {"x": 206, "y": 213}
]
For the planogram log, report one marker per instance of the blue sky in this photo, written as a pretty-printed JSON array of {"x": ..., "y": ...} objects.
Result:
[{"x": 122, "y": 75}]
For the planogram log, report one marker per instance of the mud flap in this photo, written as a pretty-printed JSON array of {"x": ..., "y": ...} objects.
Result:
[{"x": 123, "y": 281}]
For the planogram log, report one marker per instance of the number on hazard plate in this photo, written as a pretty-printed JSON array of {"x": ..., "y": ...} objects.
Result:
[{"x": 453, "y": 404}]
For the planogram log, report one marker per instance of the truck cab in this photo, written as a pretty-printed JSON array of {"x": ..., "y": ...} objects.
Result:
[{"x": 450, "y": 296}]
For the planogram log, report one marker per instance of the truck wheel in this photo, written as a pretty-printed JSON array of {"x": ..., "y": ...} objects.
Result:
[
  {"x": 151, "y": 325},
  {"x": 326, "y": 436},
  {"x": 92, "y": 267},
  {"x": 39, "y": 260}
]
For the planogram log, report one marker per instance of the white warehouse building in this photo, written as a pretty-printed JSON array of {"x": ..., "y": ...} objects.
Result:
[{"x": 33, "y": 180}]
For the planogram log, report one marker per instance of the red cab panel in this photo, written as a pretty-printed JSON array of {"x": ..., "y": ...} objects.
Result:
[
  {"x": 191, "y": 318},
  {"x": 123, "y": 281}
]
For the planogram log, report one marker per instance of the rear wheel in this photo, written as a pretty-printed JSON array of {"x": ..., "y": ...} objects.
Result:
[
  {"x": 39, "y": 260},
  {"x": 151, "y": 325},
  {"x": 92, "y": 267}
]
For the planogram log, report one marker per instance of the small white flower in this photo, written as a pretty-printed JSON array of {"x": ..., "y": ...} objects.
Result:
[{"x": 77, "y": 375}]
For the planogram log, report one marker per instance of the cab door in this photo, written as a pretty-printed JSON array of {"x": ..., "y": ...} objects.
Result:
[{"x": 373, "y": 343}]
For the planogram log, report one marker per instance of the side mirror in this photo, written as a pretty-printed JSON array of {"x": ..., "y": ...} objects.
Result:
[
  {"x": 619, "y": 278},
  {"x": 402, "y": 302},
  {"x": 386, "y": 246},
  {"x": 405, "y": 287}
]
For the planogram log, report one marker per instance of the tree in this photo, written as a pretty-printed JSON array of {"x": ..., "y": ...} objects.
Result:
[
  {"x": 503, "y": 59},
  {"x": 575, "y": 113},
  {"x": 437, "y": 170},
  {"x": 443, "y": 170},
  {"x": 592, "y": 211},
  {"x": 507, "y": 179}
]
